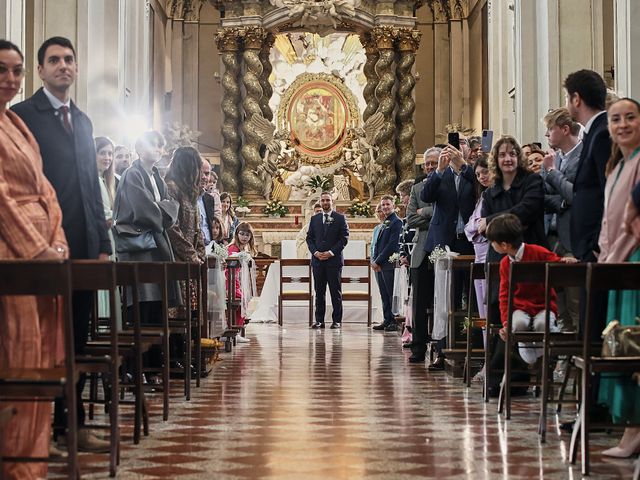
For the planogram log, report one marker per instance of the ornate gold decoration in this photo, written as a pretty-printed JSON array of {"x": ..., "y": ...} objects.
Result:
[
  {"x": 318, "y": 109},
  {"x": 408, "y": 40},
  {"x": 187, "y": 10},
  {"x": 384, "y": 38},
  {"x": 368, "y": 92},
  {"x": 253, "y": 37},
  {"x": 267, "y": 89},
  {"x": 228, "y": 42}
]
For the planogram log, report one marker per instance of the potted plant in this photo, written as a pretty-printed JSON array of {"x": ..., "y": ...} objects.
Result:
[
  {"x": 360, "y": 208},
  {"x": 275, "y": 209},
  {"x": 319, "y": 183},
  {"x": 242, "y": 207}
]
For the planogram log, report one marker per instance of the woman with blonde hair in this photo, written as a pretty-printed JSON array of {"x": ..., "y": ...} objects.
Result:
[{"x": 228, "y": 217}]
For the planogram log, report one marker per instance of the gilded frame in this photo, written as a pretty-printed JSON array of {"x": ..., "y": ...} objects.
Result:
[{"x": 317, "y": 110}]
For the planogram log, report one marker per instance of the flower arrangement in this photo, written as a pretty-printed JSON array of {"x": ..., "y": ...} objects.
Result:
[
  {"x": 219, "y": 252},
  {"x": 360, "y": 208},
  {"x": 437, "y": 254},
  {"x": 275, "y": 208},
  {"x": 318, "y": 182},
  {"x": 394, "y": 257}
]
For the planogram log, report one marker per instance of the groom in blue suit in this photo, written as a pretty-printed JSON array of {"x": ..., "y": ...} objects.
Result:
[{"x": 327, "y": 236}]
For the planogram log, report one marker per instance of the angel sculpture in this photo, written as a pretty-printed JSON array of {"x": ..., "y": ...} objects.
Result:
[
  {"x": 312, "y": 9},
  {"x": 363, "y": 151},
  {"x": 275, "y": 153}
]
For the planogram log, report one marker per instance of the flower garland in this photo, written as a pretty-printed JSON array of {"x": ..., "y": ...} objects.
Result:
[
  {"x": 360, "y": 208},
  {"x": 275, "y": 207}
]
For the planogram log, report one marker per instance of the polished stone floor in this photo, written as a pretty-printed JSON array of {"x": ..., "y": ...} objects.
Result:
[{"x": 302, "y": 404}]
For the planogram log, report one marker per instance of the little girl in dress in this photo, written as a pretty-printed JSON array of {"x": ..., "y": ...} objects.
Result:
[{"x": 243, "y": 241}]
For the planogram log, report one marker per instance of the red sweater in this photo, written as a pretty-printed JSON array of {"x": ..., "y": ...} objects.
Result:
[{"x": 528, "y": 297}]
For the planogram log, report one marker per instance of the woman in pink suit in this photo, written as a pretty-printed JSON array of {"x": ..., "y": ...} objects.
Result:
[{"x": 243, "y": 241}]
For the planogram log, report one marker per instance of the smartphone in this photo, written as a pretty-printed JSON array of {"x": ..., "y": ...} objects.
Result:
[
  {"x": 537, "y": 144},
  {"x": 453, "y": 138},
  {"x": 487, "y": 140}
]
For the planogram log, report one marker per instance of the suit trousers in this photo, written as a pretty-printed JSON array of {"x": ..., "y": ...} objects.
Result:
[
  {"x": 323, "y": 276},
  {"x": 385, "y": 285},
  {"x": 82, "y": 306},
  {"x": 422, "y": 283}
]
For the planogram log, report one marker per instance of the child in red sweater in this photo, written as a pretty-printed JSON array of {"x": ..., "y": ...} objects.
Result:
[{"x": 505, "y": 234}]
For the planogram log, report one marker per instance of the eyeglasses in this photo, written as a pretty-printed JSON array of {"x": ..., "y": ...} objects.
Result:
[{"x": 18, "y": 72}]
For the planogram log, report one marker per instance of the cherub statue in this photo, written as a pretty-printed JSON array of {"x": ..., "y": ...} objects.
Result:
[
  {"x": 276, "y": 152},
  {"x": 316, "y": 9},
  {"x": 362, "y": 152}
]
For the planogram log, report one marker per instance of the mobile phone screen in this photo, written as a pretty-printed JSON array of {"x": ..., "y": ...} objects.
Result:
[{"x": 453, "y": 138}]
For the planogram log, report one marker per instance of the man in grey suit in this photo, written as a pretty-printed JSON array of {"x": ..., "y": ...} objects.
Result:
[
  {"x": 559, "y": 171},
  {"x": 419, "y": 215}
]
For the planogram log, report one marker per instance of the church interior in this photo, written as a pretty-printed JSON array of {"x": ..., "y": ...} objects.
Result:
[{"x": 286, "y": 99}]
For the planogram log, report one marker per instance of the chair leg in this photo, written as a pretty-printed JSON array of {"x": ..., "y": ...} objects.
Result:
[
  {"x": 501, "y": 398},
  {"x": 165, "y": 377},
  {"x": 113, "y": 419},
  {"x": 542, "y": 421},
  {"x": 487, "y": 365},
  {"x": 198, "y": 342},
  {"x": 563, "y": 388},
  {"x": 507, "y": 377},
  {"x": 280, "y": 311},
  {"x": 573, "y": 447},
  {"x": 187, "y": 366}
]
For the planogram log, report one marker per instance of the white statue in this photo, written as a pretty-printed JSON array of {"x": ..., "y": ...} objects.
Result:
[
  {"x": 361, "y": 155},
  {"x": 277, "y": 155}
]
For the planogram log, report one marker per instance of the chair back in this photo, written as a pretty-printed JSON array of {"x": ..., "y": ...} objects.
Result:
[
  {"x": 605, "y": 277},
  {"x": 301, "y": 274}
]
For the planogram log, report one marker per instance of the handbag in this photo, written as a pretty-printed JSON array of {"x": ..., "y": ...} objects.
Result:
[
  {"x": 130, "y": 239},
  {"x": 621, "y": 340}
]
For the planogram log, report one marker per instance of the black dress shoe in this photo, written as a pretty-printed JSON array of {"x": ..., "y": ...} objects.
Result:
[
  {"x": 380, "y": 326},
  {"x": 438, "y": 365},
  {"x": 407, "y": 345},
  {"x": 317, "y": 325},
  {"x": 391, "y": 328},
  {"x": 335, "y": 325},
  {"x": 417, "y": 358}
]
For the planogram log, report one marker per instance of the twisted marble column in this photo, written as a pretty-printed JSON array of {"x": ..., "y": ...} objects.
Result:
[
  {"x": 369, "y": 69},
  {"x": 384, "y": 38},
  {"x": 407, "y": 44},
  {"x": 228, "y": 42},
  {"x": 267, "y": 68},
  {"x": 253, "y": 36}
]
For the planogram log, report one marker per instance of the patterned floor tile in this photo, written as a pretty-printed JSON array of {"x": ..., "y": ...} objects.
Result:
[{"x": 303, "y": 404}]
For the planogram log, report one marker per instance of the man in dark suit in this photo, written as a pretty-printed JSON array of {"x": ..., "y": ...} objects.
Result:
[
  {"x": 451, "y": 190},
  {"x": 586, "y": 95},
  {"x": 65, "y": 137},
  {"x": 206, "y": 204},
  {"x": 386, "y": 245},
  {"x": 327, "y": 236}
]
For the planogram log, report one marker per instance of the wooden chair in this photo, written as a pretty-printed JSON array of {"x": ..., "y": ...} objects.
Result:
[
  {"x": 43, "y": 278},
  {"x": 520, "y": 272},
  {"x": 291, "y": 295},
  {"x": 476, "y": 272},
  {"x": 130, "y": 345},
  {"x": 558, "y": 275},
  {"x": 492, "y": 277},
  {"x": 358, "y": 295},
  {"x": 601, "y": 277},
  {"x": 91, "y": 275}
]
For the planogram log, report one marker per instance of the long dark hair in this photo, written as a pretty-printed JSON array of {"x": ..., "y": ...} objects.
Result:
[
  {"x": 616, "y": 153},
  {"x": 7, "y": 45},
  {"x": 493, "y": 159},
  {"x": 108, "y": 174},
  {"x": 185, "y": 171},
  {"x": 481, "y": 162}
]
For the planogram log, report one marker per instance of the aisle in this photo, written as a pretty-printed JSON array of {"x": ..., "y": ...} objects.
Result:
[{"x": 302, "y": 404}]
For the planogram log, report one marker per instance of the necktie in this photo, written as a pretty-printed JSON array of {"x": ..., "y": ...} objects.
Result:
[
  {"x": 66, "y": 120},
  {"x": 326, "y": 223},
  {"x": 326, "y": 218}
]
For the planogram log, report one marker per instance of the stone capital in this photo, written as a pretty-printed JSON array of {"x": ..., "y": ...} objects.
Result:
[
  {"x": 384, "y": 37},
  {"x": 253, "y": 37},
  {"x": 228, "y": 40},
  {"x": 367, "y": 41},
  {"x": 408, "y": 39}
]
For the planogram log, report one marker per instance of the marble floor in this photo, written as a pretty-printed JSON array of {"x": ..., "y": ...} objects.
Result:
[{"x": 305, "y": 404}]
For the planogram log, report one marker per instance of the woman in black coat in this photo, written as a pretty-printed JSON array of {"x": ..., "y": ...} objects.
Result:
[{"x": 515, "y": 190}]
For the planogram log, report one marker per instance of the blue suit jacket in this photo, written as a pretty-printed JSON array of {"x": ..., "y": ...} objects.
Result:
[
  {"x": 447, "y": 203},
  {"x": 69, "y": 163},
  {"x": 388, "y": 242},
  {"x": 588, "y": 190},
  {"x": 332, "y": 238}
]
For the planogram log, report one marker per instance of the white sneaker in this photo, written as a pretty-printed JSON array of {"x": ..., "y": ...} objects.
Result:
[{"x": 241, "y": 339}]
